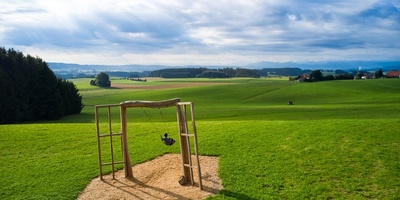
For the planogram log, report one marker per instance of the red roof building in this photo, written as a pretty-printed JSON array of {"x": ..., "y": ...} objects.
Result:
[{"x": 393, "y": 74}]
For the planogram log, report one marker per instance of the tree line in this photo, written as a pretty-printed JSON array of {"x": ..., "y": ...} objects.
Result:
[
  {"x": 203, "y": 72},
  {"x": 30, "y": 90}
]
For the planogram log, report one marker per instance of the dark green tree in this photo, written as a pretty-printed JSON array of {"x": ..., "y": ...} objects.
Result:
[
  {"x": 378, "y": 74},
  {"x": 103, "y": 80},
  {"x": 242, "y": 72},
  {"x": 344, "y": 76},
  {"x": 229, "y": 71},
  {"x": 8, "y": 95},
  {"x": 359, "y": 75},
  {"x": 316, "y": 75},
  {"x": 72, "y": 100},
  {"x": 329, "y": 77},
  {"x": 29, "y": 90},
  {"x": 46, "y": 97},
  {"x": 212, "y": 74}
]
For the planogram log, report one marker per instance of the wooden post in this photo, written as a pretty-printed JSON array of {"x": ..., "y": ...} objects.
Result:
[
  {"x": 111, "y": 141},
  {"x": 184, "y": 144},
  {"x": 98, "y": 142},
  {"x": 125, "y": 152},
  {"x": 196, "y": 149}
]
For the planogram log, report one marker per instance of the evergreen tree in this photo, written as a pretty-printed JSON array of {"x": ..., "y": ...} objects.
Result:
[
  {"x": 8, "y": 97},
  {"x": 72, "y": 100},
  {"x": 378, "y": 74},
  {"x": 29, "y": 90}
]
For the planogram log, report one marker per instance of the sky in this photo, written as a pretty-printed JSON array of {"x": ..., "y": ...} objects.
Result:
[{"x": 201, "y": 32}]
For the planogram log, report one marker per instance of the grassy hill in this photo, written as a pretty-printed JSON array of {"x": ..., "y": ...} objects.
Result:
[{"x": 339, "y": 140}]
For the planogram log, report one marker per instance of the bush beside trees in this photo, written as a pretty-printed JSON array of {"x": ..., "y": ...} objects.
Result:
[
  {"x": 102, "y": 79},
  {"x": 30, "y": 90}
]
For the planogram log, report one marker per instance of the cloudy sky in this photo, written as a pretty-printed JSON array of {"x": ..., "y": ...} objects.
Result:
[{"x": 203, "y": 32}]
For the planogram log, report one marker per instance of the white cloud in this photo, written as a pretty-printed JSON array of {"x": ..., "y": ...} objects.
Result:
[{"x": 201, "y": 32}]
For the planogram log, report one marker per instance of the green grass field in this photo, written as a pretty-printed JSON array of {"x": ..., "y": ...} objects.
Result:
[{"x": 340, "y": 139}]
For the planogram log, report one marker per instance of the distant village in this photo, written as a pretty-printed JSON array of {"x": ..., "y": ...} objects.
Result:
[
  {"x": 229, "y": 72},
  {"x": 339, "y": 74}
]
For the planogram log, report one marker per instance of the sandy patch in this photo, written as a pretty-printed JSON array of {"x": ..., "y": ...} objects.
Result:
[{"x": 157, "y": 179}]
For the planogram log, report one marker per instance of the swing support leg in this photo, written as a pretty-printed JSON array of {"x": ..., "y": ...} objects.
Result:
[
  {"x": 184, "y": 135},
  {"x": 185, "y": 146},
  {"x": 125, "y": 152}
]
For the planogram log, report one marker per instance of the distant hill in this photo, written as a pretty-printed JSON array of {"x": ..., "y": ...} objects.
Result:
[
  {"x": 331, "y": 65},
  {"x": 71, "y": 70},
  {"x": 126, "y": 68}
]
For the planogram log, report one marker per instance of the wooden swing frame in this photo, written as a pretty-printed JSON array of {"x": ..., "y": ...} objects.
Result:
[{"x": 183, "y": 130}]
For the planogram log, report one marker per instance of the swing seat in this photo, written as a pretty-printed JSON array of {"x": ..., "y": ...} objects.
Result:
[{"x": 167, "y": 141}]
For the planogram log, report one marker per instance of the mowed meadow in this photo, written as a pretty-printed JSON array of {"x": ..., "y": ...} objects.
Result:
[{"x": 339, "y": 139}]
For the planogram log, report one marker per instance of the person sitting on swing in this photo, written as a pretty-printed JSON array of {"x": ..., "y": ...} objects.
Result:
[{"x": 167, "y": 141}]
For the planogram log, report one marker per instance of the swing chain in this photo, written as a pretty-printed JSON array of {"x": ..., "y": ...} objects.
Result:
[
  {"x": 148, "y": 119},
  {"x": 165, "y": 123},
  {"x": 165, "y": 139}
]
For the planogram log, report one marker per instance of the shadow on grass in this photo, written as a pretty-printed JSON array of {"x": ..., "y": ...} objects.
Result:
[
  {"x": 137, "y": 189},
  {"x": 76, "y": 118},
  {"x": 140, "y": 192},
  {"x": 235, "y": 195}
]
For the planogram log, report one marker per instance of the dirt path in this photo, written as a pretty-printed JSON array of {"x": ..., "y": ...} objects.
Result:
[{"x": 156, "y": 179}]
